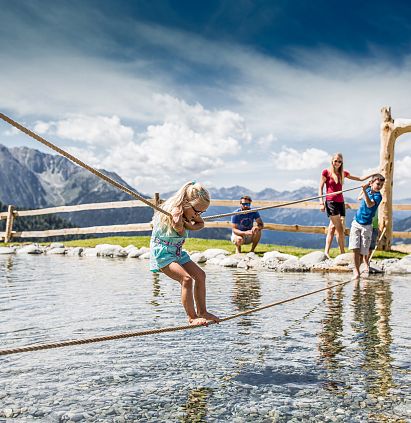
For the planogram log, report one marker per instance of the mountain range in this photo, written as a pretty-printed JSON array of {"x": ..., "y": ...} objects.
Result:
[{"x": 32, "y": 179}]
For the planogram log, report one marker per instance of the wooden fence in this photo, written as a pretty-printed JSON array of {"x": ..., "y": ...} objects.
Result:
[{"x": 12, "y": 214}]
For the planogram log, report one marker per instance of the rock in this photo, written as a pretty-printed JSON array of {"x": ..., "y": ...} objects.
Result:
[
  {"x": 345, "y": 259},
  {"x": 58, "y": 250},
  {"x": 7, "y": 250},
  {"x": 216, "y": 260},
  {"x": 133, "y": 252},
  {"x": 108, "y": 250},
  {"x": 76, "y": 251},
  {"x": 30, "y": 249},
  {"x": 56, "y": 245},
  {"x": 145, "y": 256},
  {"x": 89, "y": 252},
  {"x": 277, "y": 255},
  {"x": 144, "y": 250},
  {"x": 229, "y": 262},
  {"x": 214, "y": 252},
  {"x": 8, "y": 412},
  {"x": 292, "y": 265},
  {"x": 313, "y": 258},
  {"x": 198, "y": 258},
  {"x": 271, "y": 263}
]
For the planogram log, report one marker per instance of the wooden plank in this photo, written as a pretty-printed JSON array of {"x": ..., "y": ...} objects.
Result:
[
  {"x": 83, "y": 207},
  {"x": 133, "y": 227}
]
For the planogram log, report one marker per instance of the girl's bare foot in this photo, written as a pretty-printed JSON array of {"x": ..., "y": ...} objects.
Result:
[
  {"x": 198, "y": 321},
  {"x": 210, "y": 316}
]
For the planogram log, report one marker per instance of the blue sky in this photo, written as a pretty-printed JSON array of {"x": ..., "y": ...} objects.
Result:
[{"x": 252, "y": 93}]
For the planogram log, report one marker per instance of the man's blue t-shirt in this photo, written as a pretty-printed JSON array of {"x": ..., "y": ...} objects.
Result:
[
  {"x": 245, "y": 221},
  {"x": 365, "y": 214}
]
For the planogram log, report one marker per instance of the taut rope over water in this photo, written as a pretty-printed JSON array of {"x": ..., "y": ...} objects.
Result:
[{"x": 38, "y": 347}]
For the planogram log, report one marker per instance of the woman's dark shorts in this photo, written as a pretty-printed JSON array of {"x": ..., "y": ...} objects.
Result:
[{"x": 335, "y": 208}]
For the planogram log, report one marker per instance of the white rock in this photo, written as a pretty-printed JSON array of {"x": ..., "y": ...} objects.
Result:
[
  {"x": 243, "y": 264},
  {"x": 7, "y": 250},
  {"x": 313, "y": 258},
  {"x": 108, "y": 250},
  {"x": 198, "y": 258},
  {"x": 30, "y": 249},
  {"x": 89, "y": 252},
  {"x": 216, "y": 260},
  {"x": 255, "y": 262},
  {"x": 58, "y": 250},
  {"x": 214, "y": 252},
  {"x": 292, "y": 265},
  {"x": 76, "y": 251},
  {"x": 277, "y": 255},
  {"x": 229, "y": 262},
  {"x": 145, "y": 256},
  {"x": 144, "y": 250},
  {"x": 56, "y": 245},
  {"x": 271, "y": 263},
  {"x": 345, "y": 259},
  {"x": 133, "y": 252}
]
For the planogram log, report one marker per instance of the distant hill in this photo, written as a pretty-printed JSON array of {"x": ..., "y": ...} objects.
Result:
[{"x": 32, "y": 179}]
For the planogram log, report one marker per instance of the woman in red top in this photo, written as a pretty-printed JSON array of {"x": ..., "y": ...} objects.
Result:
[{"x": 333, "y": 179}]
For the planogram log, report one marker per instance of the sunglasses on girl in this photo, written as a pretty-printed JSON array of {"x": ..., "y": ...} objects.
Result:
[{"x": 197, "y": 212}]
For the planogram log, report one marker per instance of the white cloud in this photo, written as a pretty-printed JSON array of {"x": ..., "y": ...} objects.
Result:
[
  {"x": 402, "y": 170},
  {"x": 291, "y": 159},
  {"x": 98, "y": 130}
]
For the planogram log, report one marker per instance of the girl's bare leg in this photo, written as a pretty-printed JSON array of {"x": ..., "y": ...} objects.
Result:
[
  {"x": 329, "y": 238},
  {"x": 199, "y": 276},
  {"x": 179, "y": 274},
  {"x": 336, "y": 220}
]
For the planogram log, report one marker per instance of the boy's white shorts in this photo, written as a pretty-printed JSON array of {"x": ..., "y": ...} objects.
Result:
[{"x": 360, "y": 237}]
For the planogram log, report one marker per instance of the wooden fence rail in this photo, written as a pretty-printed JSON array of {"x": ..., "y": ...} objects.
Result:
[{"x": 12, "y": 214}]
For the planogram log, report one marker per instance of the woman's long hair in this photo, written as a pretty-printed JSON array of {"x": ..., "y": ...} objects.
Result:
[
  {"x": 339, "y": 175},
  {"x": 189, "y": 193}
]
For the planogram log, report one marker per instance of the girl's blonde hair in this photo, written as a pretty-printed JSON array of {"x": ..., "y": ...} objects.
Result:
[
  {"x": 339, "y": 175},
  {"x": 189, "y": 193}
]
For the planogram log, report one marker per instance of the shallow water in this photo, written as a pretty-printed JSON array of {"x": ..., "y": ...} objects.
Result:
[{"x": 339, "y": 355}]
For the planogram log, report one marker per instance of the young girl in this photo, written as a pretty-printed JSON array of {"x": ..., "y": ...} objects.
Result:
[
  {"x": 167, "y": 256},
  {"x": 333, "y": 179}
]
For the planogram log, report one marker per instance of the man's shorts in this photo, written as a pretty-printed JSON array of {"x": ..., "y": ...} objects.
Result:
[
  {"x": 248, "y": 239},
  {"x": 374, "y": 238},
  {"x": 360, "y": 237},
  {"x": 335, "y": 208}
]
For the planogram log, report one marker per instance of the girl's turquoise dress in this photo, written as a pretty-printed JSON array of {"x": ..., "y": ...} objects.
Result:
[{"x": 166, "y": 248}]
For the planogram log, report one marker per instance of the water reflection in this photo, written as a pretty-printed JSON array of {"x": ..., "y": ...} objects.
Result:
[
  {"x": 372, "y": 310},
  {"x": 156, "y": 289},
  {"x": 196, "y": 405},
  {"x": 332, "y": 327},
  {"x": 6, "y": 267},
  {"x": 246, "y": 294}
]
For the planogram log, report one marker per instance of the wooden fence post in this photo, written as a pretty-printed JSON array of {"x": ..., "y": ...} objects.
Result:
[{"x": 9, "y": 224}]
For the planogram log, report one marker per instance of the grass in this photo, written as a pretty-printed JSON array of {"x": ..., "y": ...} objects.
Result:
[{"x": 198, "y": 244}]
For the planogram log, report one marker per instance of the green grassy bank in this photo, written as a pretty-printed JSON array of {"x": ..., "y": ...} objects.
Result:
[{"x": 197, "y": 244}]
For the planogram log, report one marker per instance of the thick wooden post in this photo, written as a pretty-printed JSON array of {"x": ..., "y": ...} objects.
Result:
[
  {"x": 387, "y": 170},
  {"x": 390, "y": 130},
  {"x": 9, "y": 224}
]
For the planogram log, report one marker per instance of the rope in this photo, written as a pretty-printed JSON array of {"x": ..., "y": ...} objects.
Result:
[
  {"x": 82, "y": 164},
  {"x": 376, "y": 244},
  {"x": 61, "y": 344},
  {"x": 216, "y": 216}
]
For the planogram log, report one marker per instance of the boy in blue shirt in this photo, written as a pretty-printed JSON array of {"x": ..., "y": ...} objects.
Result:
[
  {"x": 243, "y": 229},
  {"x": 361, "y": 227}
]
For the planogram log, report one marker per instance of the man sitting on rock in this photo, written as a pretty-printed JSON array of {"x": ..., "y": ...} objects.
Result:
[{"x": 244, "y": 231}]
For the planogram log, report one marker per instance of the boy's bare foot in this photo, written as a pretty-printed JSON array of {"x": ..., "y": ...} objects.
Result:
[
  {"x": 210, "y": 316},
  {"x": 198, "y": 321},
  {"x": 237, "y": 250},
  {"x": 356, "y": 274}
]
